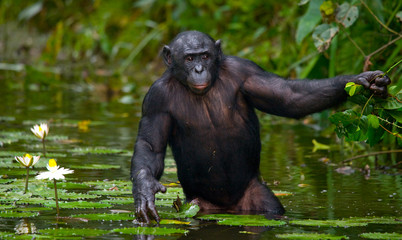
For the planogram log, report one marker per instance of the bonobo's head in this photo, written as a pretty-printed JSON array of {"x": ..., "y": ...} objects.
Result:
[{"x": 194, "y": 57}]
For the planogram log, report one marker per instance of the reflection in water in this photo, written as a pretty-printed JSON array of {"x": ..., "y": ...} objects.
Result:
[{"x": 25, "y": 227}]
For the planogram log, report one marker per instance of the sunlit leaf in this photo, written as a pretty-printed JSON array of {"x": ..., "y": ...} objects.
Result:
[
  {"x": 120, "y": 201},
  {"x": 150, "y": 231},
  {"x": 347, "y": 14},
  {"x": 242, "y": 220},
  {"x": 399, "y": 16},
  {"x": 348, "y": 222},
  {"x": 319, "y": 146},
  {"x": 327, "y": 7},
  {"x": 310, "y": 236},
  {"x": 381, "y": 235},
  {"x": 3, "y": 207},
  {"x": 373, "y": 121},
  {"x": 186, "y": 211},
  {"x": 282, "y": 193}
]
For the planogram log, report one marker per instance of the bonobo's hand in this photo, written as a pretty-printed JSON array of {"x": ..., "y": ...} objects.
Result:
[
  {"x": 144, "y": 189},
  {"x": 374, "y": 81}
]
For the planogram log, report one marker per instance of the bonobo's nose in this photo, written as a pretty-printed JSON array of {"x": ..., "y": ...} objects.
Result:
[{"x": 199, "y": 69}]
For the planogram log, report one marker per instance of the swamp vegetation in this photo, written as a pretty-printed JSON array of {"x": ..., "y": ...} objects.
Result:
[{"x": 83, "y": 68}]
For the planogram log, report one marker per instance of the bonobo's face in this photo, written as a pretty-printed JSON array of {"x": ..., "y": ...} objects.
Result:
[{"x": 194, "y": 60}]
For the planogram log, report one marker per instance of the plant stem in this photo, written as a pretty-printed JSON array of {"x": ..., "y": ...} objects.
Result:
[
  {"x": 44, "y": 147},
  {"x": 56, "y": 197},
  {"x": 26, "y": 181},
  {"x": 371, "y": 154}
]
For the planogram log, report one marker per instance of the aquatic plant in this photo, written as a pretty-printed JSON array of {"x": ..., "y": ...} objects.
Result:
[
  {"x": 27, "y": 161},
  {"x": 55, "y": 173},
  {"x": 41, "y": 131}
]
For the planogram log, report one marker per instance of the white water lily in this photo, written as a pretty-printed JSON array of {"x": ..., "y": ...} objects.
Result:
[
  {"x": 40, "y": 131},
  {"x": 55, "y": 172},
  {"x": 27, "y": 160}
]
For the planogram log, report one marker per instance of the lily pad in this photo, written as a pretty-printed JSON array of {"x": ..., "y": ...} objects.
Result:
[
  {"x": 117, "y": 201},
  {"x": 98, "y": 150},
  {"x": 15, "y": 214},
  {"x": 95, "y": 166},
  {"x": 110, "y": 192},
  {"x": 78, "y": 204},
  {"x": 151, "y": 231},
  {"x": 171, "y": 193},
  {"x": 242, "y": 220},
  {"x": 119, "y": 184},
  {"x": 69, "y": 185},
  {"x": 4, "y": 206},
  {"x": 186, "y": 211},
  {"x": 62, "y": 232},
  {"x": 309, "y": 236},
  {"x": 378, "y": 235},
  {"x": 350, "y": 222},
  {"x": 106, "y": 216}
]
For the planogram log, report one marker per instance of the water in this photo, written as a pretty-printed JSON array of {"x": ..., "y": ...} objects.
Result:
[{"x": 287, "y": 164}]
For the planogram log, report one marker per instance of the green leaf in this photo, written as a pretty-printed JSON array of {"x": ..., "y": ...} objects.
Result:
[
  {"x": 381, "y": 235},
  {"x": 242, "y": 220},
  {"x": 62, "y": 232},
  {"x": 399, "y": 16},
  {"x": 106, "y": 216},
  {"x": 373, "y": 121},
  {"x": 30, "y": 11},
  {"x": 395, "y": 114},
  {"x": 310, "y": 236},
  {"x": 309, "y": 20},
  {"x": 323, "y": 35},
  {"x": 99, "y": 150},
  {"x": 15, "y": 214},
  {"x": 392, "y": 103},
  {"x": 319, "y": 146},
  {"x": 78, "y": 204},
  {"x": 347, "y": 14},
  {"x": 150, "y": 231}
]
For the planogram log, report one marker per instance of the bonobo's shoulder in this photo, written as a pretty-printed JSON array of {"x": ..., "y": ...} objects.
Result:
[
  {"x": 233, "y": 62},
  {"x": 157, "y": 93}
]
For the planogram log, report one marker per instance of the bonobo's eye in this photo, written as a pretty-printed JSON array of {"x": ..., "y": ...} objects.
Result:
[
  {"x": 205, "y": 56},
  {"x": 189, "y": 59}
]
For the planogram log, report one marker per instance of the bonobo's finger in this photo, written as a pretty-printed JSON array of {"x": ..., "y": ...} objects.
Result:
[
  {"x": 379, "y": 90},
  {"x": 154, "y": 213},
  {"x": 141, "y": 212},
  {"x": 382, "y": 81},
  {"x": 162, "y": 188},
  {"x": 363, "y": 81}
]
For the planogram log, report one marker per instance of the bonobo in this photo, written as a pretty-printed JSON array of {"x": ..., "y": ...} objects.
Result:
[{"x": 203, "y": 107}]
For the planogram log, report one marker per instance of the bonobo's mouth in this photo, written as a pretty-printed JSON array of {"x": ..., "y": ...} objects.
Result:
[{"x": 200, "y": 87}]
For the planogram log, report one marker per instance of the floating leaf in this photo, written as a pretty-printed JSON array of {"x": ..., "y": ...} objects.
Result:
[
  {"x": 319, "y": 146},
  {"x": 106, "y": 216},
  {"x": 62, "y": 232},
  {"x": 3, "y": 206},
  {"x": 242, "y": 220},
  {"x": 119, "y": 201},
  {"x": 69, "y": 185},
  {"x": 95, "y": 166},
  {"x": 186, "y": 211},
  {"x": 351, "y": 222},
  {"x": 282, "y": 193},
  {"x": 78, "y": 204},
  {"x": 347, "y": 14},
  {"x": 171, "y": 193},
  {"x": 99, "y": 150},
  {"x": 15, "y": 214},
  {"x": 381, "y": 235},
  {"x": 151, "y": 231},
  {"x": 309, "y": 236},
  {"x": 323, "y": 35},
  {"x": 110, "y": 192}
]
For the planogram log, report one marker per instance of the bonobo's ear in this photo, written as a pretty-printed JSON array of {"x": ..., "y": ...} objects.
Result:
[
  {"x": 218, "y": 48},
  {"x": 167, "y": 55}
]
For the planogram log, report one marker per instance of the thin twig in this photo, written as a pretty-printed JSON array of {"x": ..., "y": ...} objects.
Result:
[
  {"x": 378, "y": 20},
  {"x": 392, "y": 133},
  {"x": 371, "y": 154},
  {"x": 354, "y": 43}
]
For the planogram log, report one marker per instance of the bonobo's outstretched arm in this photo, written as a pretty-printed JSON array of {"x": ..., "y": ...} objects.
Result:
[
  {"x": 298, "y": 98},
  {"x": 147, "y": 162}
]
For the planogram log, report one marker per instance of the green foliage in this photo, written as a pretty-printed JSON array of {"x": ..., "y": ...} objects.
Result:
[
  {"x": 158, "y": 231},
  {"x": 372, "y": 120},
  {"x": 242, "y": 220},
  {"x": 310, "y": 236},
  {"x": 381, "y": 235}
]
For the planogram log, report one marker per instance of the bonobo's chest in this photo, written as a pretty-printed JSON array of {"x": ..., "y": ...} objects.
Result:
[{"x": 222, "y": 107}]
